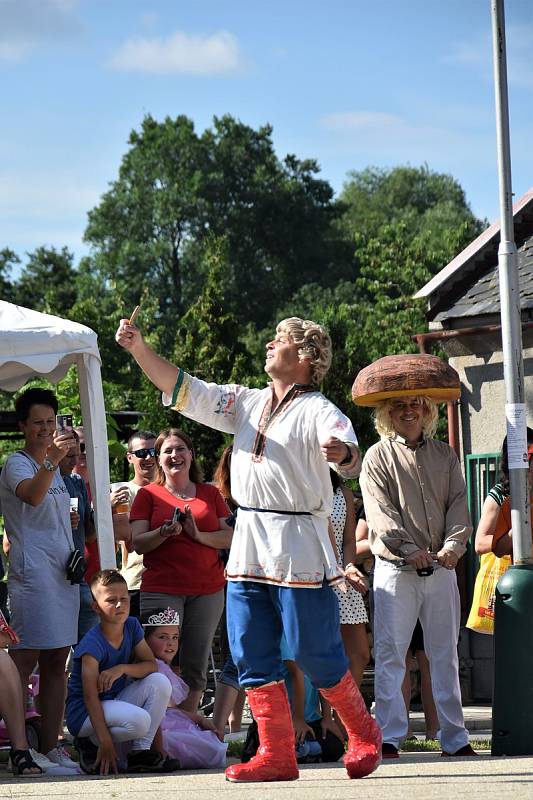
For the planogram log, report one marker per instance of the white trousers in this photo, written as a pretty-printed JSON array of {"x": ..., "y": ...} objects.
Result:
[
  {"x": 400, "y": 598},
  {"x": 136, "y": 712}
]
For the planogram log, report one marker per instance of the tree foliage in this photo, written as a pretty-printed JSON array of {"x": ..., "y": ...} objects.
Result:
[
  {"x": 427, "y": 203},
  {"x": 175, "y": 189},
  {"x": 219, "y": 238},
  {"x": 47, "y": 281}
]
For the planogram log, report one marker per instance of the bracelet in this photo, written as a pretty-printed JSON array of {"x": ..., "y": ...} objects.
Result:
[{"x": 348, "y": 565}]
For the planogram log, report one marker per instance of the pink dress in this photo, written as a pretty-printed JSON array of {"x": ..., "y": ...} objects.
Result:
[{"x": 182, "y": 738}]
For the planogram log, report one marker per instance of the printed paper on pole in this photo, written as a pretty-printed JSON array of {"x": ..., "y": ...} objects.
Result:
[{"x": 515, "y": 415}]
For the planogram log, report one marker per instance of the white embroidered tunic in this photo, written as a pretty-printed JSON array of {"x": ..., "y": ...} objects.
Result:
[{"x": 276, "y": 466}]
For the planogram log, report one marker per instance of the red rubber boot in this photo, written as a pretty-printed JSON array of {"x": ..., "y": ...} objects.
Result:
[
  {"x": 276, "y": 758},
  {"x": 364, "y": 736}
]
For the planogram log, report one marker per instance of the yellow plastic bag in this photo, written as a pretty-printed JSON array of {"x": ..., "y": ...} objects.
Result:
[{"x": 491, "y": 568}]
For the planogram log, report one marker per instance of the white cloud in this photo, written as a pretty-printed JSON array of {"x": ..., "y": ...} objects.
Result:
[
  {"x": 179, "y": 53},
  {"x": 382, "y": 130},
  {"x": 387, "y": 138},
  {"x": 27, "y": 24}
]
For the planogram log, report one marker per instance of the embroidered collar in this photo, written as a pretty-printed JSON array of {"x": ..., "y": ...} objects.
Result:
[{"x": 268, "y": 417}]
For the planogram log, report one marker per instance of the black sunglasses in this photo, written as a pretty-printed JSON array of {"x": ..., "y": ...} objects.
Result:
[
  {"x": 144, "y": 452},
  {"x": 82, "y": 447}
]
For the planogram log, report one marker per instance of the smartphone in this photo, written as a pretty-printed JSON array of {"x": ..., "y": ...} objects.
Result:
[
  {"x": 178, "y": 516},
  {"x": 64, "y": 423}
]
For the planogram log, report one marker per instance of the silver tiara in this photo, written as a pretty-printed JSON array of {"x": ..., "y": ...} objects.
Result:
[{"x": 167, "y": 617}]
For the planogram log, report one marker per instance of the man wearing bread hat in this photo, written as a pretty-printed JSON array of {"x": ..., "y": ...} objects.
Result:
[
  {"x": 281, "y": 564},
  {"x": 416, "y": 508}
]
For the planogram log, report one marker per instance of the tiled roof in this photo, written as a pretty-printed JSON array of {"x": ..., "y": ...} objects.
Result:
[
  {"x": 484, "y": 246},
  {"x": 479, "y": 294}
]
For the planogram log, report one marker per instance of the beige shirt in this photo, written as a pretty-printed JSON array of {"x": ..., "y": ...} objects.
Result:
[{"x": 415, "y": 499}]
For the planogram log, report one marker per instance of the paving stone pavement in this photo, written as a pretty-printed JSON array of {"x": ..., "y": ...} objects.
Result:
[{"x": 423, "y": 775}]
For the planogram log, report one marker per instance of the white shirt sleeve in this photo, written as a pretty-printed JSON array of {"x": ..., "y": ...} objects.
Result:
[{"x": 210, "y": 404}]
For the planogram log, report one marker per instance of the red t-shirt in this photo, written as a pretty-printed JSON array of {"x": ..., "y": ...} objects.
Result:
[
  {"x": 179, "y": 565},
  {"x": 92, "y": 557}
]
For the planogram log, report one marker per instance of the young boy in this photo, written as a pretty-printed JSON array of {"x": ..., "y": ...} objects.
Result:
[{"x": 115, "y": 692}]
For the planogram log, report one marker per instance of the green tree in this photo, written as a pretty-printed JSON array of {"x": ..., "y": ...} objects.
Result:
[
  {"x": 176, "y": 188},
  {"x": 47, "y": 281},
  {"x": 207, "y": 346},
  {"x": 8, "y": 259},
  {"x": 427, "y": 203}
]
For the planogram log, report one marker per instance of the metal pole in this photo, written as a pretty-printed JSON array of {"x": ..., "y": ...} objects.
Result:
[
  {"x": 512, "y": 709},
  {"x": 513, "y": 366}
]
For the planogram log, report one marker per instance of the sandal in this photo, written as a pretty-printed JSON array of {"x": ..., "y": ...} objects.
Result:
[{"x": 22, "y": 760}]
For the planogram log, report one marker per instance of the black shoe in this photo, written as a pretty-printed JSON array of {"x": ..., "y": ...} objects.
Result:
[
  {"x": 170, "y": 764},
  {"x": 388, "y": 750},
  {"x": 464, "y": 752},
  {"x": 150, "y": 761},
  {"x": 87, "y": 751}
]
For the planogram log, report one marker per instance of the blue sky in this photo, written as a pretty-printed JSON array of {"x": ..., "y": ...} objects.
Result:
[{"x": 351, "y": 83}]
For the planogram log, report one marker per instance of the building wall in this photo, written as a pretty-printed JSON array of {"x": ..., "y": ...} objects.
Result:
[{"x": 482, "y": 405}]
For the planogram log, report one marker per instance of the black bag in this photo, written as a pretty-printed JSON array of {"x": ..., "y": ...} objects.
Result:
[{"x": 75, "y": 567}]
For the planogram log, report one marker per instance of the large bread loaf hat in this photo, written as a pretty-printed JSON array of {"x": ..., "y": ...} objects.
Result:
[{"x": 409, "y": 374}]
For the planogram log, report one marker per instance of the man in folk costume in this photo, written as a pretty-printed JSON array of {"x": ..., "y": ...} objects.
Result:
[
  {"x": 281, "y": 564},
  {"x": 416, "y": 508}
]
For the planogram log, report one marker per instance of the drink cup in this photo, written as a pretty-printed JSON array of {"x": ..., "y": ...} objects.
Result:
[
  {"x": 74, "y": 504},
  {"x": 120, "y": 508}
]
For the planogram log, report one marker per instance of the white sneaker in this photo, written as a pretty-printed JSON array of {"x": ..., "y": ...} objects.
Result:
[{"x": 51, "y": 766}]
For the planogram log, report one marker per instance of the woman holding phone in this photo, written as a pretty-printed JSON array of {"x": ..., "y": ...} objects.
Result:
[
  {"x": 44, "y": 604},
  {"x": 183, "y": 569}
]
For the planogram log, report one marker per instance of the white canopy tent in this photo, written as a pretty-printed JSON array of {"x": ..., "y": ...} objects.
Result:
[{"x": 34, "y": 345}]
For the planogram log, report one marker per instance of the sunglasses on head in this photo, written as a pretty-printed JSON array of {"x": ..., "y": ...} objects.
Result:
[{"x": 144, "y": 452}]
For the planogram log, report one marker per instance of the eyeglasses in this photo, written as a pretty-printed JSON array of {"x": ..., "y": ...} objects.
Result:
[
  {"x": 82, "y": 447},
  {"x": 144, "y": 452}
]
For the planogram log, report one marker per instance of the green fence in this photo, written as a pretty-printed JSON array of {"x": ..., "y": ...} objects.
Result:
[{"x": 481, "y": 475}]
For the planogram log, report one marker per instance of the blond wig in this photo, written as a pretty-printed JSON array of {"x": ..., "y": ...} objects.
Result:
[
  {"x": 383, "y": 423},
  {"x": 314, "y": 344}
]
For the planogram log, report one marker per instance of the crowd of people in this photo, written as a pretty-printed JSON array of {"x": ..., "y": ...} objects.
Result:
[{"x": 274, "y": 541}]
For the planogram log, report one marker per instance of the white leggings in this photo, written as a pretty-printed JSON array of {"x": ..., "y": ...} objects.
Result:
[{"x": 136, "y": 712}]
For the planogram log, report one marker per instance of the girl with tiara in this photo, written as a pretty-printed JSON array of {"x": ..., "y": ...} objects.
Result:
[{"x": 187, "y": 735}]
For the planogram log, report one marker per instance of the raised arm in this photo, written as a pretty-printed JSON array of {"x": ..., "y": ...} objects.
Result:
[
  {"x": 33, "y": 490},
  {"x": 158, "y": 370}
]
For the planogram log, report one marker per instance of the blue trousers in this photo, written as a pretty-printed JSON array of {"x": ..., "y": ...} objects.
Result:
[{"x": 258, "y": 614}]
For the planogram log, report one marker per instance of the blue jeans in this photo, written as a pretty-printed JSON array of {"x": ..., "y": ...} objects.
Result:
[{"x": 257, "y": 616}]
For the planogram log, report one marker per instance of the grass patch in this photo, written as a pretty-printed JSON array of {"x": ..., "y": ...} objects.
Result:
[
  {"x": 235, "y": 749},
  {"x": 412, "y": 746},
  {"x": 433, "y": 746}
]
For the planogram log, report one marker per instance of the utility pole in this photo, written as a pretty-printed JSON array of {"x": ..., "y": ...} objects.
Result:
[{"x": 513, "y": 631}]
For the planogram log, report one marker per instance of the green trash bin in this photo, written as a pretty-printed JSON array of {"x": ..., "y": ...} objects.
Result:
[{"x": 512, "y": 712}]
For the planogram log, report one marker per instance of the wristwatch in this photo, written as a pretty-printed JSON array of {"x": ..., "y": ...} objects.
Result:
[{"x": 49, "y": 465}]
